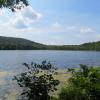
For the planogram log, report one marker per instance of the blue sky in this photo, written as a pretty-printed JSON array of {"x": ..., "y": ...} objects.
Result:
[{"x": 54, "y": 21}]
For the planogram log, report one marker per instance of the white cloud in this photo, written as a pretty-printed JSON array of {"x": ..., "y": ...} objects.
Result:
[
  {"x": 25, "y": 17},
  {"x": 86, "y": 30},
  {"x": 21, "y": 19},
  {"x": 31, "y": 14},
  {"x": 20, "y": 22},
  {"x": 56, "y": 25}
]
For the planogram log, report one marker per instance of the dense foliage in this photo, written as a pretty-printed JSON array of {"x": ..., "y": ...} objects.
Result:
[
  {"x": 84, "y": 84},
  {"x": 13, "y": 4},
  {"x": 86, "y": 46},
  {"x": 8, "y": 43},
  {"x": 37, "y": 82}
]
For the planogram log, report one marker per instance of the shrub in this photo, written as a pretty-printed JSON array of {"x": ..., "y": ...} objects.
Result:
[
  {"x": 71, "y": 93},
  {"x": 83, "y": 85},
  {"x": 37, "y": 82}
]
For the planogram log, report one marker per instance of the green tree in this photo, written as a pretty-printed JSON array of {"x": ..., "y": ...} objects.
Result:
[
  {"x": 83, "y": 85},
  {"x": 13, "y": 4},
  {"x": 37, "y": 82}
]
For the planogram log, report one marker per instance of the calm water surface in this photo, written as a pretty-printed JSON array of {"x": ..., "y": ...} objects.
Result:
[{"x": 12, "y": 60}]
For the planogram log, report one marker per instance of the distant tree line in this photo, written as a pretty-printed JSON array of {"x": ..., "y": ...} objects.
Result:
[
  {"x": 86, "y": 46},
  {"x": 8, "y": 43}
]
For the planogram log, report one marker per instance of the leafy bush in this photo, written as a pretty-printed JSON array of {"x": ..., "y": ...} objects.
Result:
[
  {"x": 37, "y": 82},
  {"x": 83, "y": 85},
  {"x": 70, "y": 93}
]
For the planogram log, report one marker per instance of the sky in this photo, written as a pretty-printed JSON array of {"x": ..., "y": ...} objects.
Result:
[{"x": 60, "y": 22}]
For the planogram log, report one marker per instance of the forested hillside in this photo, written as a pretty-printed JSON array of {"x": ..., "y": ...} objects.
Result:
[
  {"x": 9, "y": 43},
  {"x": 86, "y": 46}
]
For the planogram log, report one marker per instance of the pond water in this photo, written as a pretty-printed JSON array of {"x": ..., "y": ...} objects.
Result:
[{"x": 12, "y": 60}]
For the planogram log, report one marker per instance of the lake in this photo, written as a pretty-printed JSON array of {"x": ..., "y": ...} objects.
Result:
[
  {"x": 12, "y": 60},
  {"x": 11, "y": 63}
]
